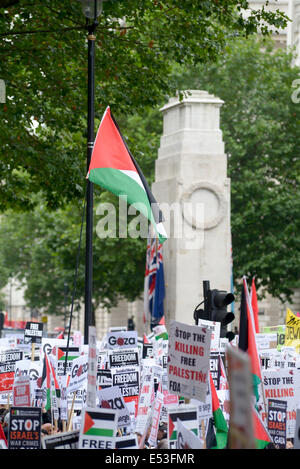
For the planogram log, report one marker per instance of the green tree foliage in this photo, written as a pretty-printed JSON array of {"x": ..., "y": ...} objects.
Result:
[
  {"x": 260, "y": 124},
  {"x": 43, "y": 60}
]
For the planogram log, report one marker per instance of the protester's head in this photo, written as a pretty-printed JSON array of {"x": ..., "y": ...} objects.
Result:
[
  {"x": 163, "y": 444},
  {"x": 6, "y": 419},
  {"x": 162, "y": 431},
  {"x": 47, "y": 429}
]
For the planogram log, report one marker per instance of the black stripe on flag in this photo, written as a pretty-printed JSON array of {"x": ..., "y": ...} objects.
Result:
[
  {"x": 125, "y": 444},
  {"x": 183, "y": 416},
  {"x": 101, "y": 416}
]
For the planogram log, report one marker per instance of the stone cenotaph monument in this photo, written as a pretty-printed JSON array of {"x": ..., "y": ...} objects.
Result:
[{"x": 193, "y": 191}]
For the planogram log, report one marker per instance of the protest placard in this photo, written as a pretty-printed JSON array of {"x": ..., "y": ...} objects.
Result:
[
  {"x": 292, "y": 330},
  {"x": 65, "y": 440},
  {"x": 297, "y": 429},
  {"x": 8, "y": 359},
  {"x": 266, "y": 341},
  {"x": 188, "y": 365},
  {"x": 215, "y": 328},
  {"x": 155, "y": 418},
  {"x": 21, "y": 391},
  {"x": 214, "y": 366},
  {"x": 125, "y": 357},
  {"x": 284, "y": 385},
  {"x": 79, "y": 373},
  {"x": 92, "y": 368},
  {"x": 98, "y": 428},
  {"x": 121, "y": 339},
  {"x": 277, "y": 413},
  {"x": 24, "y": 430},
  {"x": 188, "y": 415},
  {"x": 127, "y": 379},
  {"x": 186, "y": 439},
  {"x": 60, "y": 353},
  {"x": 111, "y": 398},
  {"x": 33, "y": 333}
]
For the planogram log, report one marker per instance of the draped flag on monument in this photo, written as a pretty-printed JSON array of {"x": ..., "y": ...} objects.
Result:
[
  {"x": 154, "y": 285},
  {"x": 247, "y": 341},
  {"x": 113, "y": 167}
]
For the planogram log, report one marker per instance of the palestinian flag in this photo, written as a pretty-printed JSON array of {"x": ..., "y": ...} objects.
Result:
[
  {"x": 220, "y": 424},
  {"x": 44, "y": 380},
  {"x": 254, "y": 305},
  {"x": 262, "y": 436},
  {"x": 247, "y": 341},
  {"x": 113, "y": 167}
]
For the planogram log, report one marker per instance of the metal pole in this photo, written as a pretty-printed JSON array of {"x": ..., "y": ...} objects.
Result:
[{"x": 89, "y": 195}]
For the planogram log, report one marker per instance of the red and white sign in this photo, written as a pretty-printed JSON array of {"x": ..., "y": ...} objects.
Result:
[{"x": 21, "y": 391}]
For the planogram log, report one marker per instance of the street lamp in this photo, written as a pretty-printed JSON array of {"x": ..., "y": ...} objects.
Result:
[{"x": 91, "y": 10}]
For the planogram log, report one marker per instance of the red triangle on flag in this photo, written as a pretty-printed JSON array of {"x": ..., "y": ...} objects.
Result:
[
  {"x": 146, "y": 341},
  {"x": 171, "y": 426},
  {"x": 162, "y": 321},
  {"x": 88, "y": 423}
]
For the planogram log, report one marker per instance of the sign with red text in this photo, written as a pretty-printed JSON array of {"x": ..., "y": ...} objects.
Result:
[
  {"x": 283, "y": 385},
  {"x": 21, "y": 391},
  {"x": 8, "y": 359},
  {"x": 24, "y": 430},
  {"x": 188, "y": 361}
]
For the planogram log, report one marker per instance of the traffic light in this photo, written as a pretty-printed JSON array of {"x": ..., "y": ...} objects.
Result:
[
  {"x": 215, "y": 309},
  {"x": 130, "y": 325},
  {"x": 219, "y": 300}
]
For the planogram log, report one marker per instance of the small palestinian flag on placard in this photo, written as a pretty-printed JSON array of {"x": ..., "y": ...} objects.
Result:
[
  {"x": 98, "y": 428},
  {"x": 188, "y": 415}
]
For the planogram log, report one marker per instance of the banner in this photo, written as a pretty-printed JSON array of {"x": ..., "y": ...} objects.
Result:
[
  {"x": 188, "y": 366},
  {"x": 24, "y": 430},
  {"x": 98, "y": 428}
]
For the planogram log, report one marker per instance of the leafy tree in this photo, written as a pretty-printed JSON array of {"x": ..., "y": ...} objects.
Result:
[
  {"x": 43, "y": 57},
  {"x": 260, "y": 124},
  {"x": 41, "y": 249}
]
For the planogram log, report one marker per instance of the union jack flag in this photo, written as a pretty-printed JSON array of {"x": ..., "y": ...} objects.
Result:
[{"x": 154, "y": 285}]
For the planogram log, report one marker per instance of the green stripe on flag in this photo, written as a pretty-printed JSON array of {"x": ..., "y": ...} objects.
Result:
[
  {"x": 100, "y": 432},
  {"x": 123, "y": 186},
  {"x": 174, "y": 434}
]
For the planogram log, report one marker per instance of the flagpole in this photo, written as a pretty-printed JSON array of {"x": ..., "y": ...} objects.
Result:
[{"x": 89, "y": 194}]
